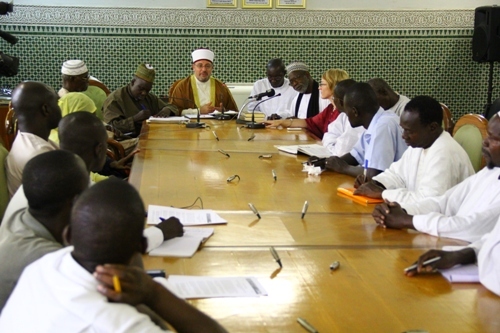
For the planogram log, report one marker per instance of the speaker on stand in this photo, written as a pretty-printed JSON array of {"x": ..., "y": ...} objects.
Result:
[{"x": 486, "y": 42}]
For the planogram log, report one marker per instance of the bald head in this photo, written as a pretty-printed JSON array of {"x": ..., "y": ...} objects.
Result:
[
  {"x": 35, "y": 105},
  {"x": 385, "y": 95},
  {"x": 52, "y": 180},
  {"x": 360, "y": 103},
  {"x": 84, "y": 134},
  {"x": 107, "y": 222}
]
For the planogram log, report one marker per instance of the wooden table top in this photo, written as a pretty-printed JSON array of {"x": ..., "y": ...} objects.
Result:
[{"x": 368, "y": 293}]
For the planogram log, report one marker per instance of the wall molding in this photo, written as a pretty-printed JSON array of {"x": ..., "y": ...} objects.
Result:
[{"x": 162, "y": 18}]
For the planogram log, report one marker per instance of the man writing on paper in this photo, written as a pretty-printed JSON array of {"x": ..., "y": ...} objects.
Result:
[
  {"x": 57, "y": 289},
  {"x": 126, "y": 108},
  {"x": 276, "y": 108},
  {"x": 388, "y": 99},
  {"x": 308, "y": 102},
  {"x": 486, "y": 252},
  {"x": 467, "y": 211},
  {"x": 201, "y": 90},
  {"x": 433, "y": 163},
  {"x": 381, "y": 143}
]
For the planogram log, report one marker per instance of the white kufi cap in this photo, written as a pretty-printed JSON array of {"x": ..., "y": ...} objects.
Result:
[
  {"x": 74, "y": 67},
  {"x": 202, "y": 54}
]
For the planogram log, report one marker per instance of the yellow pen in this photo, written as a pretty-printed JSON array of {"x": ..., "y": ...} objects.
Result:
[{"x": 116, "y": 284}]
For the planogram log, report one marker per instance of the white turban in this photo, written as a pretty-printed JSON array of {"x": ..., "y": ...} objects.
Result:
[
  {"x": 202, "y": 54},
  {"x": 74, "y": 67},
  {"x": 297, "y": 66}
]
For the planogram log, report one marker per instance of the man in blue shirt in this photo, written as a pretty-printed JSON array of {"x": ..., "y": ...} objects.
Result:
[{"x": 381, "y": 143}]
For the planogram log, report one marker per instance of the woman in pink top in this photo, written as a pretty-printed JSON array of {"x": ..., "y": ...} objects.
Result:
[{"x": 317, "y": 125}]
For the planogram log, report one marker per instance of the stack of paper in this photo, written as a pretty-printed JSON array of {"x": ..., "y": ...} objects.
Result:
[
  {"x": 167, "y": 120},
  {"x": 185, "y": 286},
  {"x": 187, "y": 217},
  {"x": 310, "y": 150},
  {"x": 185, "y": 246},
  {"x": 461, "y": 274}
]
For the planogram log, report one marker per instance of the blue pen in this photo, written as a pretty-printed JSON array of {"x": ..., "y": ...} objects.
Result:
[{"x": 366, "y": 168}]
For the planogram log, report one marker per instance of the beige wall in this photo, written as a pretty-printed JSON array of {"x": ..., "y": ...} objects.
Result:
[{"x": 311, "y": 4}]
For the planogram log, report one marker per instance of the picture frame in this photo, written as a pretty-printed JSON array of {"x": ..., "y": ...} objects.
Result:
[
  {"x": 222, "y": 3},
  {"x": 290, "y": 3},
  {"x": 255, "y": 4}
]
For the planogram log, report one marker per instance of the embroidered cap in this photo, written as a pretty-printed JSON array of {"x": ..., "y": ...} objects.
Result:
[
  {"x": 145, "y": 72},
  {"x": 297, "y": 66},
  {"x": 74, "y": 67}
]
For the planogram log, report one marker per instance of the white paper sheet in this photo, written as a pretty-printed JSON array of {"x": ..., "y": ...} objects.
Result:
[
  {"x": 187, "y": 217},
  {"x": 461, "y": 274},
  {"x": 185, "y": 246},
  {"x": 167, "y": 120},
  {"x": 187, "y": 287}
]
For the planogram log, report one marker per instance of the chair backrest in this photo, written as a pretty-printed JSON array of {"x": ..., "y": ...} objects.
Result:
[
  {"x": 4, "y": 193},
  {"x": 448, "y": 123},
  {"x": 10, "y": 127},
  {"x": 469, "y": 132},
  {"x": 98, "y": 92}
]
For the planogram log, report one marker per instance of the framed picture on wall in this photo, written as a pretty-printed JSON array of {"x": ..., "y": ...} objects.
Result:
[
  {"x": 257, "y": 4},
  {"x": 290, "y": 3},
  {"x": 221, "y": 3}
]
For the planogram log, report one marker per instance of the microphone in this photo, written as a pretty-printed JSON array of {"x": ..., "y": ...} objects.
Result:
[
  {"x": 197, "y": 124},
  {"x": 222, "y": 116},
  {"x": 253, "y": 124},
  {"x": 267, "y": 93}
]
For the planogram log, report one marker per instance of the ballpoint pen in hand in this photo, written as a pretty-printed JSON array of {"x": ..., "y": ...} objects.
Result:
[{"x": 275, "y": 256}]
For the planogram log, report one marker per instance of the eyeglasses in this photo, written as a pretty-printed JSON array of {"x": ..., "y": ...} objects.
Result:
[
  {"x": 323, "y": 84},
  {"x": 295, "y": 79},
  {"x": 206, "y": 66}
]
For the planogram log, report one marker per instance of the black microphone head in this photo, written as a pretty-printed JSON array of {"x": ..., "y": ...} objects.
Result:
[{"x": 270, "y": 92}]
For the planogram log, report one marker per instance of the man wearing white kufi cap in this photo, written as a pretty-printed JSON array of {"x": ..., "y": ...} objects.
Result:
[
  {"x": 75, "y": 78},
  {"x": 207, "y": 93},
  {"x": 308, "y": 102}
]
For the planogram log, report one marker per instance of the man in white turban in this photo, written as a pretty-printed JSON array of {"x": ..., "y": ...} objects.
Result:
[{"x": 201, "y": 90}]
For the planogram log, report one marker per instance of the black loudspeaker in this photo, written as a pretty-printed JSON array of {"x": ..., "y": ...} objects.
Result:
[{"x": 486, "y": 38}]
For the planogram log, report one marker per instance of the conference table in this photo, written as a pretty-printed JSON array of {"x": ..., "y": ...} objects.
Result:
[{"x": 367, "y": 293}]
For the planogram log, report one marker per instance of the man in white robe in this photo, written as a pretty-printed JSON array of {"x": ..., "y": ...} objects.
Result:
[
  {"x": 433, "y": 163},
  {"x": 467, "y": 211}
]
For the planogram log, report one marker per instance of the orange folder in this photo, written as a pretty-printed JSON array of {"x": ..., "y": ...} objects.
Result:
[{"x": 349, "y": 193}]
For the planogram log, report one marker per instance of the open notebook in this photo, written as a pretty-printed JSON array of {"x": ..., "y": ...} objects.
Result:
[
  {"x": 185, "y": 246},
  {"x": 349, "y": 193},
  {"x": 310, "y": 150}
]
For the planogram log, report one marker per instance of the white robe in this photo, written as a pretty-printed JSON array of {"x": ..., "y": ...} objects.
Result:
[
  {"x": 423, "y": 173},
  {"x": 341, "y": 137},
  {"x": 304, "y": 104},
  {"x": 59, "y": 295},
  {"x": 280, "y": 105},
  {"x": 489, "y": 260},
  {"x": 467, "y": 211}
]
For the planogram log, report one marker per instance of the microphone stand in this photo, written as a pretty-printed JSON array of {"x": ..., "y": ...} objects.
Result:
[
  {"x": 253, "y": 124},
  {"x": 242, "y": 121},
  {"x": 197, "y": 124},
  {"x": 222, "y": 116}
]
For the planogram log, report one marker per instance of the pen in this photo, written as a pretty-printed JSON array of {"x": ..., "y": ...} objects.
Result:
[
  {"x": 364, "y": 171},
  {"x": 252, "y": 137},
  {"x": 425, "y": 263},
  {"x": 224, "y": 153},
  {"x": 254, "y": 210},
  {"x": 274, "y": 175},
  {"x": 116, "y": 284},
  {"x": 215, "y": 134},
  {"x": 275, "y": 256},
  {"x": 306, "y": 325},
  {"x": 304, "y": 209}
]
